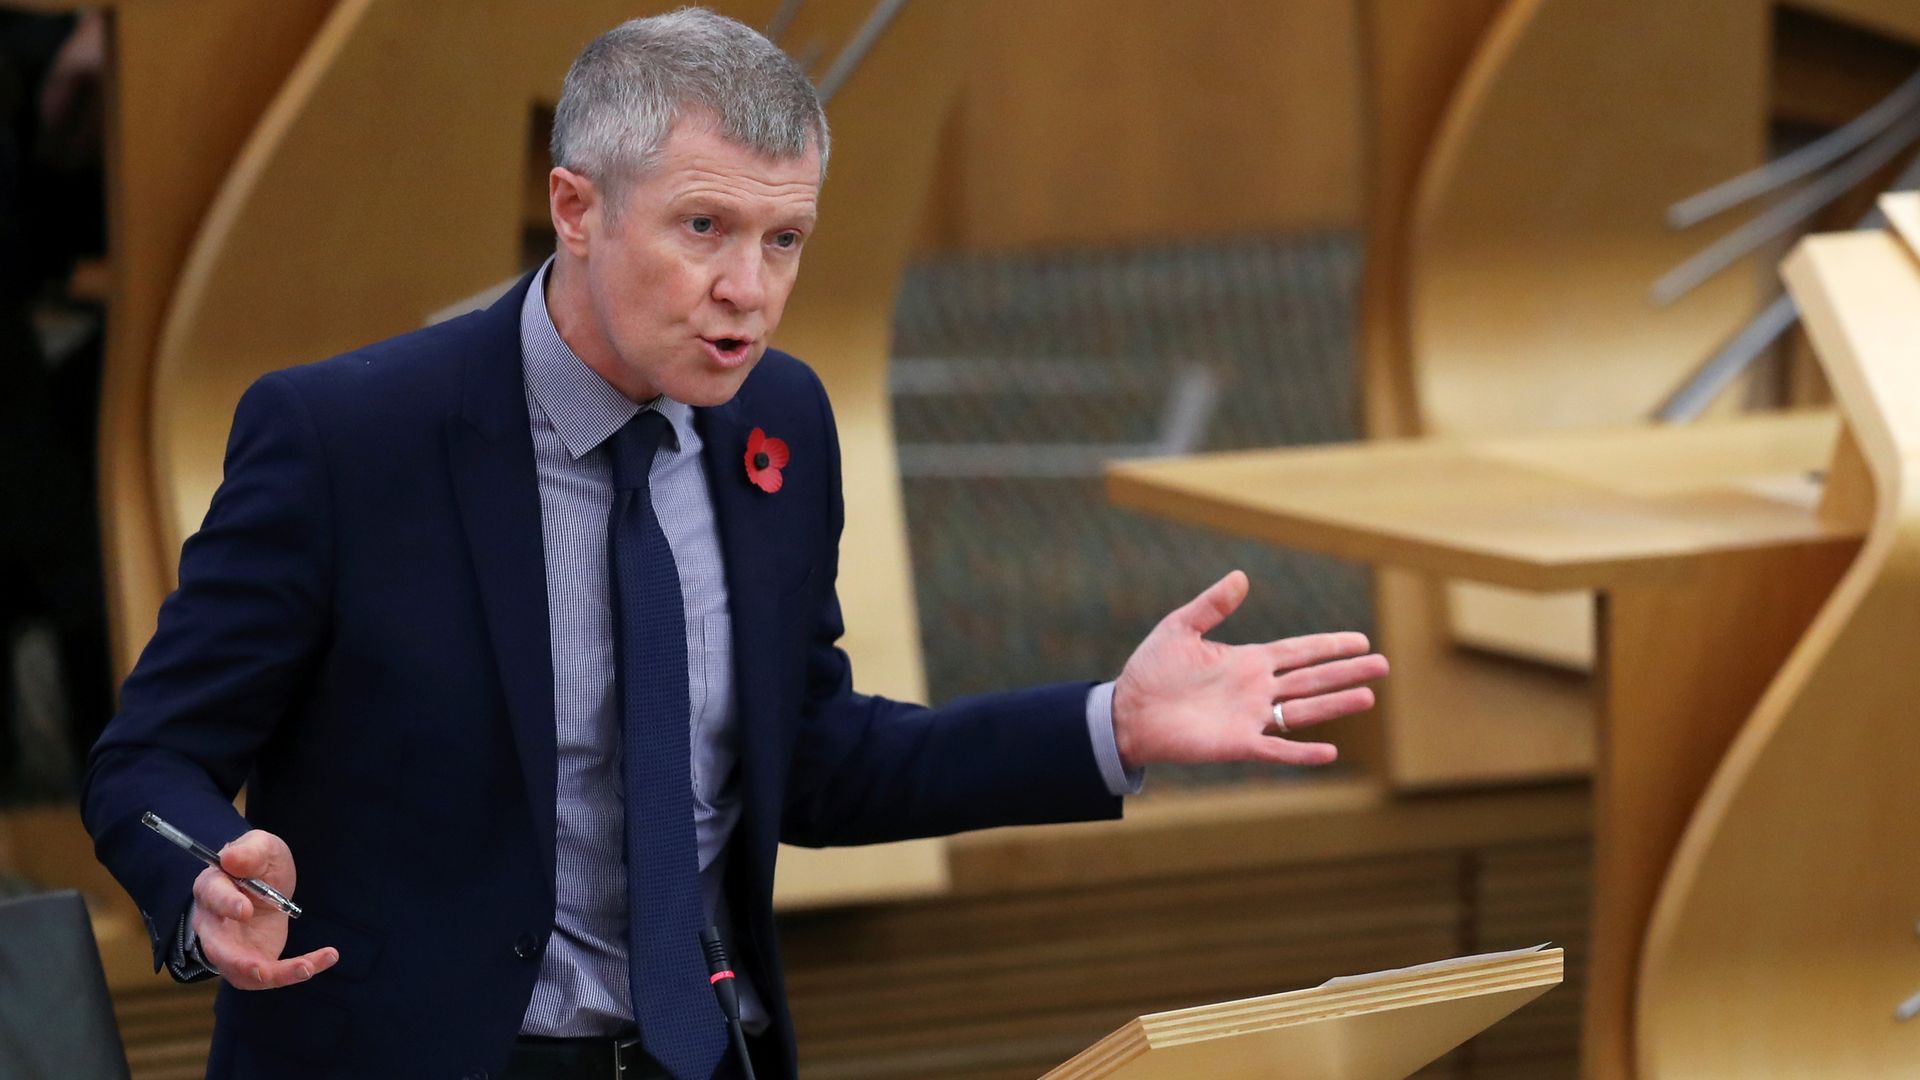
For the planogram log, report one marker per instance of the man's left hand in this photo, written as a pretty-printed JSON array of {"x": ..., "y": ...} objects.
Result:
[{"x": 1184, "y": 699}]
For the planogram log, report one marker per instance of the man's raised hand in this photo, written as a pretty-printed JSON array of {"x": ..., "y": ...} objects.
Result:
[
  {"x": 1184, "y": 699},
  {"x": 243, "y": 936}
]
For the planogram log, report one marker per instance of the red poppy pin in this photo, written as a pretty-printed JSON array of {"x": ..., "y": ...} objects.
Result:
[{"x": 765, "y": 458}]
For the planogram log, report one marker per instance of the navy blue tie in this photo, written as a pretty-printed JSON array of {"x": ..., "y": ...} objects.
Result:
[{"x": 680, "y": 1025}]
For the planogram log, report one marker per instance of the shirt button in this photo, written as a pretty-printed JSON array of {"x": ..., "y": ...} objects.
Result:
[{"x": 526, "y": 946}]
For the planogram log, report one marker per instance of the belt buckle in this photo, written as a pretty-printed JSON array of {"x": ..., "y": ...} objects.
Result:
[{"x": 621, "y": 1062}]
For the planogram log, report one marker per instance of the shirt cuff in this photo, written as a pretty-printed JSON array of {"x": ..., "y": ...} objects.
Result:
[
  {"x": 1106, "y": 751},
  {"x": 185, "y": 962}
]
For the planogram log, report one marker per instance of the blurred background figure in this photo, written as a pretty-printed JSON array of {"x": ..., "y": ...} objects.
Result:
[{"x": 54, "y": 679}]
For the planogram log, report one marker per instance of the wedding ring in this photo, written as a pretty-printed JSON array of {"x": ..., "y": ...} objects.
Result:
[{"x": 1279, "y": 718}]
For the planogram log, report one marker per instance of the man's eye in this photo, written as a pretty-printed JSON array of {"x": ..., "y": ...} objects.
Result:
[
  {"x": 787, "y": 240},
  {"x": 701, "y": 225}
]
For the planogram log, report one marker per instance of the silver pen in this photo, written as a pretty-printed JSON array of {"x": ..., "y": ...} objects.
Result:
[{"x": 212, "y": 858}]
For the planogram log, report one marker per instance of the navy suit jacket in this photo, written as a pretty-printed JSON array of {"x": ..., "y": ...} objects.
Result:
[{"x": 360, "y": 638}]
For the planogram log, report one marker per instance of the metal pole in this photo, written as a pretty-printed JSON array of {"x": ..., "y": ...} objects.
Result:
[
  {"x": 1783, "y": 217},
  {"x": 1810, "y": 158},
  {"x": 782, "y": 20},
  {"x": 1725, "y": 365},
  {"x": 857, "y": 49}
]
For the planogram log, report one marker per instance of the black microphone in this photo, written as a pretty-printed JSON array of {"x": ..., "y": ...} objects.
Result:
[{"x": 720, "y": 974}]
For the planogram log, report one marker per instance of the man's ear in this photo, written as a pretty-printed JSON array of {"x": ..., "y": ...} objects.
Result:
[{"x": 575, "y": 205}]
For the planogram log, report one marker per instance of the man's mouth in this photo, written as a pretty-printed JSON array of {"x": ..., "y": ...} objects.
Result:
[{"x": 728, "y": 349}]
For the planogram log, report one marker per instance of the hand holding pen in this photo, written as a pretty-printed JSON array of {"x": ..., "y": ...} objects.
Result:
[
  {"x": 207, "y": 855},
  {"x": 243, "y": 932}
]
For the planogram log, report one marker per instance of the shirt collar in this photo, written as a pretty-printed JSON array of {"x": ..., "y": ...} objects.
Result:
[{"x": 583, "y": 407}]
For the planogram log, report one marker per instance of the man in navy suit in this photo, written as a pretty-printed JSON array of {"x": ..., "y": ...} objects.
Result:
[{"x": 520, "y": 631}]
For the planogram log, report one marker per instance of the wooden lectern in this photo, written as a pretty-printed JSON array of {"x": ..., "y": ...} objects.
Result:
[
  {"x": 1706, "y": 545},
  {"x": 1783, "y": 942},
  {"x": 1368, "y": 1027},
  {"x": 1780, "y": 943}
]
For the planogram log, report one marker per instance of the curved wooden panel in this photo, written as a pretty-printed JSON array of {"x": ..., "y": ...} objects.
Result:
[
  {"x": 188, "y": 82},
  {"x": 1413, "y": 54},
  {"x": 359, "y": 206},
  {"x": 1534, "y": 723},
  {"x": 385, "y": 183},
  {"x": 1538, "y": 226},
  {"x": 1783, "y": 940},
  {"x": 1537, "y": 230}
]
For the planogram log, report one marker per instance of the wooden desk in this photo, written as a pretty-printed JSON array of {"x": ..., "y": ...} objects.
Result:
[{"x": 1705, "y": 546}]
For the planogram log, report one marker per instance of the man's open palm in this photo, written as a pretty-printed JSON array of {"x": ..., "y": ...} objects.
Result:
[
  {"x": 242, "y": 936},
  {"x": 1184, "y": 699}
]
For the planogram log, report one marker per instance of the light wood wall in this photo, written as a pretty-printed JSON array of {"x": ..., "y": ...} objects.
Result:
[
  {"x": 177, "y": 119},
  {"x": 1110, "y": 122}
]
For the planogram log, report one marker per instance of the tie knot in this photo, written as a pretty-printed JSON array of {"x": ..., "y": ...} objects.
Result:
[{"x": 632, "y": 448}]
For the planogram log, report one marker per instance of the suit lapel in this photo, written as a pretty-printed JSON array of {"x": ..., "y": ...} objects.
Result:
[
  {"x": 751, "y": 596},
  {"x": 490, "y": 447}
]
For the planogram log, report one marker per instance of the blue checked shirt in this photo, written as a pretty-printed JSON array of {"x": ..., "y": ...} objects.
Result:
[{"x": 582, "y": 988}]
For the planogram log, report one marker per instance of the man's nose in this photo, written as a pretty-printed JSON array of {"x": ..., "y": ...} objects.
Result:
[{"x": 742, "y": 278}]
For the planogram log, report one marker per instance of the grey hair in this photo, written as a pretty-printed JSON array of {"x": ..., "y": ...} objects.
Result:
[{"x": 629, "y": 85}]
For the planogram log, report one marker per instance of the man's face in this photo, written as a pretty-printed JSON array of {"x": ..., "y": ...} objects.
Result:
[{"x": 687, "y": 282}]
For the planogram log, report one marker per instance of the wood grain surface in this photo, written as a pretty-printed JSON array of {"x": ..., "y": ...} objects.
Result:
[
  {"x": 1545, "y": 512},
  {"x": 1381, "y": 1027},
  {"x": 187, "y": 82},
  {"x": 1783, "y": 941}
]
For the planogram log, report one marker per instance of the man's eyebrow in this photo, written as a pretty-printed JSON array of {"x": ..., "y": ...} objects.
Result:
[
  {"x": 702, "y": 198},
  {"x": 718, "y": 201},
  {"x": 714, "y": 198}
]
